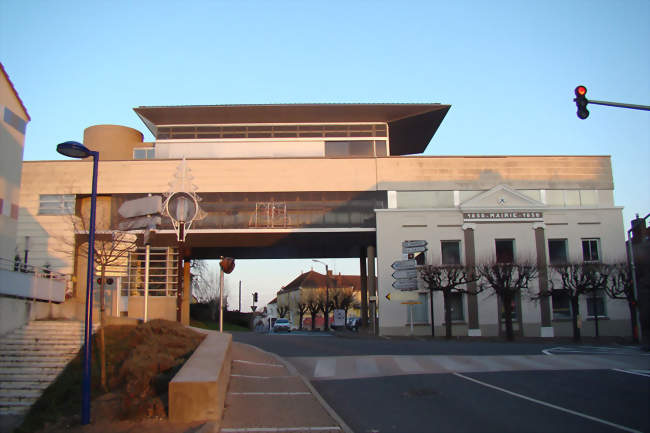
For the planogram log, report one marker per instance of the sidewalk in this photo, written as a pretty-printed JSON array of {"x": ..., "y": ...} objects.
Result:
[{"x": 268, "y": 395}]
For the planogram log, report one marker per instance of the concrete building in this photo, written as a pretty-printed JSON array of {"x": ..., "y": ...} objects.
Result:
[{"x": 333, "y": 181}]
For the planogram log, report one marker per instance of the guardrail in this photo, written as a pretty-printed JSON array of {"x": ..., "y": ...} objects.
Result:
[{"x": 31, "y": 282}]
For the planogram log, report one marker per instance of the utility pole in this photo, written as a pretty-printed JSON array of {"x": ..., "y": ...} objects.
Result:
[{"x": 240, "y": 296}]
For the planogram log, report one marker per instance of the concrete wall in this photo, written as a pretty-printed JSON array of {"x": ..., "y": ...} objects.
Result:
[
  {"x": 15, "y": 313},
  {"x": 158, "y": 307}
]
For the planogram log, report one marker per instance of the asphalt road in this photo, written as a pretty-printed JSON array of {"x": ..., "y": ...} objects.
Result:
[{"x": 529, "y": 400}]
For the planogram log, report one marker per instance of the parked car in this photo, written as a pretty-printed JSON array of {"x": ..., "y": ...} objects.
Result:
[
  {"x": 282, "y": 325},
  {"x": 353, "y": 323}
]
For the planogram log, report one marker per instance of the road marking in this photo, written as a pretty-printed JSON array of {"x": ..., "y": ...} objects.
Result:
[
  {"x": 408, "y": 364},
  {"x": 325, "y": 367},
  {"x": 366, "y": 366},
  {"x": 244, "y": 376},
  {"x": 269, "y": 393},
  {"x": 543, "y": 403},
  {"x": 257, "y": 363},
  {"x": 277, "y": 429},
  {"x": 645, "y": 373}
]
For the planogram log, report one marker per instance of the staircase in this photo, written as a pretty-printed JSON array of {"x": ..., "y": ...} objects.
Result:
[{"x": 31, "y": 358}]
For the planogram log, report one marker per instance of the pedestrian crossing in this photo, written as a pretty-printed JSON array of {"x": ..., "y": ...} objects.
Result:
[{"x": 357, "y": 367}]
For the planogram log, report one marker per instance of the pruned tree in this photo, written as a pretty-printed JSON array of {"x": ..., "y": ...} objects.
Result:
[
  {"x": 325, "y": 304},
  {"x": 448, "y": 279},
  {"x": 301, "y": 304},
  {"x": 342, "y": 299},
  {"x": 507, "y": 280},
  {"x": 621, "y": 286},
  {"x": 283, "y": 309},
  {"x": 313, "y": 306},
  {"x": 204, "y": 282},
  {"x": 578, "y": 279}
]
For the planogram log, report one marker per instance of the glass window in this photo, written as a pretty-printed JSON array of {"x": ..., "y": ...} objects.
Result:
[
  {"x": 450, "y": 252},
  {"x": 591, "y": 250},
  {"x": 420, "y": 311},
  {"x": 561, "y": 304},
  {"x": 596, "y": 304},
  {"x": 380, "y": 148},
  {"x": 56, "y": 204},
  {"x": 144, "y": 153},
  {"x": 456, "y": 304},
  {"x": 505, "y": 250},
  {"x": 557, "y": 251}
]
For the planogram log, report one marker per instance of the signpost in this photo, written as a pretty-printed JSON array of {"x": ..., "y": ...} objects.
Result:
[
  {"x": 403, "y": 296},
  {"x": 403, "y": 264},
  {"x": 405, "y": 274},
  {"x": 411, "y": 284}
]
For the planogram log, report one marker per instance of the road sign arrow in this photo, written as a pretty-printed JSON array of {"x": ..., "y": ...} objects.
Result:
[
  {"x": 408, "y": 244},
  {"x": 406, "y": 284},
  {"x": 405, "y": 274},
  {"x": 403, "y": 264},
  {"x": 409, "y": 250},
  {"x": 402, "y": 296},
  {"x": 141, "y": 206}
]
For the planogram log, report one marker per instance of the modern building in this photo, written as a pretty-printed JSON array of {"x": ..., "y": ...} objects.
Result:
[{"x": 332, "y": 181}]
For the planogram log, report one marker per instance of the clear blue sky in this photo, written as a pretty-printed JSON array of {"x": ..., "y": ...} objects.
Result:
[{"x": 508, "y": 68}]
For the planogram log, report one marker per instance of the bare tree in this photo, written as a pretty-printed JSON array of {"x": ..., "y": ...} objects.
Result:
[
  {"x": 302, "y": 307},
  {"x": 283, "y": 309},
  {"x": 325, "y": 304},
  {"x": 621, "y": 286},
  {"x": 204, "y": 282},
  {"x": 448, "y": 279},
  {"x": 342, "y": 299},
  {"x": 579, "y": 279},
  {"x": 507, "y": 280},
  {"x": 313, "y": 306}
]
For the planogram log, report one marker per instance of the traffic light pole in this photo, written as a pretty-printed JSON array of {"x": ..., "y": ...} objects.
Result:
[{"x": 619, "y": 104}]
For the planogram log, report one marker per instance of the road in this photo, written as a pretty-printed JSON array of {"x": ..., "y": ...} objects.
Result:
[{"x": 407, "y": 385}]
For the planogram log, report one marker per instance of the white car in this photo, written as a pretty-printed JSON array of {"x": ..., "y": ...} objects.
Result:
[{"x": 282, "y": 325}]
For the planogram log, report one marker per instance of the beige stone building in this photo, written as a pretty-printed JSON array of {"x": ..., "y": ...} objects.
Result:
[{"x": 334, "y": 181}]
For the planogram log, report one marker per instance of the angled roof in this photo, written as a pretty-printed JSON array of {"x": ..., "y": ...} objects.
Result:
[
  {"x": 20, "y": 101},
  {"x": 314, "y": 280},
  {"x": 411, "y": 126}
]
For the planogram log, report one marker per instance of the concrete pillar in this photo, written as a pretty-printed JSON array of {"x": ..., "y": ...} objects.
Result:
[
  {"x": 544, "y": 302},
  {"x": 474, "y": 330},
  {"x": 187, "y": 294},
  {"x": 364, "y": 287},
  {"x": 372, "y": 288}
]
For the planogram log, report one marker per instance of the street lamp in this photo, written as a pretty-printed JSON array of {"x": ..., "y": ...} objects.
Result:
[
  {"x": 327, "y": 293},
  {"x": 73, "y": 149}
]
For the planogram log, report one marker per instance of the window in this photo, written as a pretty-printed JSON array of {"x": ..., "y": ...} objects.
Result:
[
  {"x": 591, "y": 250},
  {"x": 557, "y": 251},
  {"x": 349, "y": 148},
  {"x": 56, "y": 204},
  {"x": 450, "y": 252},
  {"x": 596, "y": 304},
  {"x": 505, "y": 249},
  {"x": 420, "y": 311},
  {"x": 561, "y": 304},
  {"x": 144, "y": 153},
  {"x": 456, "y": 304}
]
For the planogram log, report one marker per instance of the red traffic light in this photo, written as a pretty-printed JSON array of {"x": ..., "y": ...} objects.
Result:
[{"x": 581, "y": 91}]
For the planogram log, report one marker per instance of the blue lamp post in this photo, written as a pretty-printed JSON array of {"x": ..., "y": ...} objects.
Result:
[{"x": 78, "y": 150}]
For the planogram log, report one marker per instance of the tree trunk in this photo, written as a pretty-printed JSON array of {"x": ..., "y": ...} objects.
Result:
[
  {"x": 635, "y": 328},
  {"x": 575, "y": 310},
  {"x": 433, "y": 326},
  {"x": 595, "y": 306},
  {"x": 313, "y": 321},
  {"x": 447, "y": 297},
  {"x": 507, "y": 309}
]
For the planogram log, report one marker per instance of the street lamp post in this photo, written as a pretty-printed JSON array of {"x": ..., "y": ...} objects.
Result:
[
  {"x": 73, "y": 149},
  {"x": 327, "y": 293}
]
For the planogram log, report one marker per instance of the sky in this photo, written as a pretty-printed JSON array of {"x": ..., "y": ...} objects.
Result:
[{"x": 507, "y": 68}]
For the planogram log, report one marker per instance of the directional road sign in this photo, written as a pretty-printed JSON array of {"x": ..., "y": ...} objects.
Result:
[
  {"x": 406, "y": 284},
  {"x": 141, "y": 206},
  {"x": 405, "y": 274},
  {"x": 409, "y": 244},
  {"x": 402, "y": 296},
  {"x": 403, "y": 264},
  {"x": 409, "y": 250}
]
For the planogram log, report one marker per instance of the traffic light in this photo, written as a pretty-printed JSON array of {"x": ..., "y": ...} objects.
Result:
[
  {"x": 255, "y": 297},
  {"x": 581, "y": 102}
]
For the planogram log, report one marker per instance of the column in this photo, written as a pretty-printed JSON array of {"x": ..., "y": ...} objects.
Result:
[
  {"x": 544, "y": 301},
  {"x": 474, "y": 329},
  {"x": 364, "y": 288},
  {"x": 187, "y": 294},
  {"x": 372, "y": 289}
]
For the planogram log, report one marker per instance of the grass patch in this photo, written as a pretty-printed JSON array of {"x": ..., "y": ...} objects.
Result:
[
  {"x": 214, "y": 326},
  {"x": 140, "y": 363}
]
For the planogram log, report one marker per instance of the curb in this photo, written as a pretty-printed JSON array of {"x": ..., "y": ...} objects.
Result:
[{"x": 330, "y": 411}]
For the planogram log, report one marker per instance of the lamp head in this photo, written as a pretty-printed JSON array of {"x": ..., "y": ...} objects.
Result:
[{"x": 73, "y": 149}]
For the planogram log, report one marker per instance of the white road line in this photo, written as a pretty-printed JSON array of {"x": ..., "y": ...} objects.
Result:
[
  {"x": 636, "y": 372},
  {"x": 257, "y": 363},
  {"x": 269, "y": 393},
  {"x": 244, "y": 376},
  {"x": 366, "y": 366},
  {"x": 408, "y": 364},
  {"x": 325, "y": 368},
  {"x": 277, "y": 429},
  {"x": 543, "y": 403}
]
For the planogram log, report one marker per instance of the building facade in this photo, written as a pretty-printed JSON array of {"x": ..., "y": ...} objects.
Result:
[{"x": 332, "y": 181}]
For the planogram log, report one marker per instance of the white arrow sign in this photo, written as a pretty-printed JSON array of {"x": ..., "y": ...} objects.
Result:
[
  {"x": 141, "y": 206},
  {"x": 409, "y": 250},
  {"x": 404, "y": 264},
  {"x": 405, "y": 274},
  {"x": 407, "y": 244},
  {"x": 403, "y": 296},
  {"x": 406, "y": 284}
]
